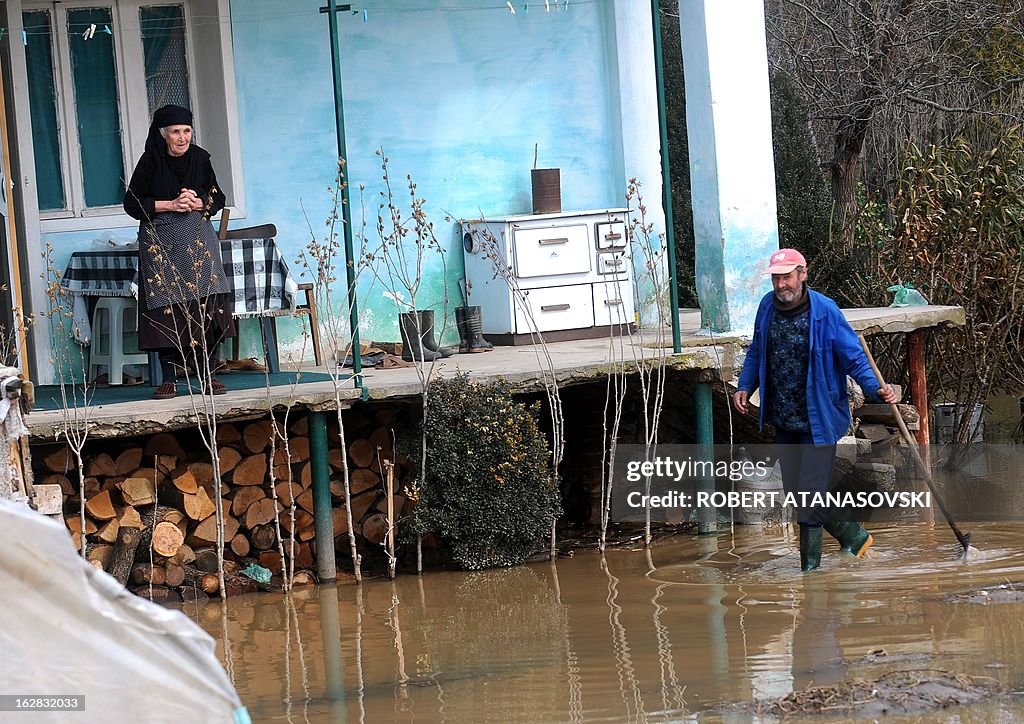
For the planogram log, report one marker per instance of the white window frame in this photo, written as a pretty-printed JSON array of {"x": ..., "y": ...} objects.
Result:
[{"x": 133, "y": 107}]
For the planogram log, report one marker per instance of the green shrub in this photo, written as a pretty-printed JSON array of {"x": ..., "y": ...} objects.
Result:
[{"x": 488, "y": 491}]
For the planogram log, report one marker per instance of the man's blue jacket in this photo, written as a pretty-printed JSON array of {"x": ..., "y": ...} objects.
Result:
[{"x": 834, "y": 353}]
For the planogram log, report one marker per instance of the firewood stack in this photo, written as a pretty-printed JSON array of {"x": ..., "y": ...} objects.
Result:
[{"x": 151, "y": 507}]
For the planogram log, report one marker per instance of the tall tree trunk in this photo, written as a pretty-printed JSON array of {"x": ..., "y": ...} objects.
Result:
[{"x": 849, "y": 144}]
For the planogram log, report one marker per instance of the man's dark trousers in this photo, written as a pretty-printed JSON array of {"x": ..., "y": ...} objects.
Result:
[{"x": 806, "y": 468}]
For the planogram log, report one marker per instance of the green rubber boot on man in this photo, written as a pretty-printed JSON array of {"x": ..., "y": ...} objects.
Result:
[
  {"x": 851, "y": 536},
  {"x": 810, "y": 547}
]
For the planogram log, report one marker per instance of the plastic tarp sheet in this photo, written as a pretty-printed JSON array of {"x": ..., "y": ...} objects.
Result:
[{"x": 67, "y": 628}]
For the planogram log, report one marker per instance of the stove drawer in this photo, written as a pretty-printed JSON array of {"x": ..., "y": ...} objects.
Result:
[
  {"x": 609, "y": 263},
  {"x": 613, "y": 303},
  {"x": 552, "y": 250},
  {"x": 554, "y": 308},
  {"x": 611, "y": 235}
]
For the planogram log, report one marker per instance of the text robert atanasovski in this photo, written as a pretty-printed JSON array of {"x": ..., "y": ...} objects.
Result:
[{"x": 774, "y": 498}]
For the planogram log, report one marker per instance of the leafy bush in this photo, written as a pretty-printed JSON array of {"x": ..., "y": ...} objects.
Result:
[
  {"x": 488, "y": 491},
  {"x": 960, "y": 241}
]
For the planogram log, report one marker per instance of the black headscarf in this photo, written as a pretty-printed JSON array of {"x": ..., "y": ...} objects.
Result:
[
  {"x": 187, "y": 170},
  {"x": 159, "y": 176}
]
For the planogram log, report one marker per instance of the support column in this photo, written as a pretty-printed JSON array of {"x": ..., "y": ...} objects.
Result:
[
  {"x": 323, "y": 520},
  {"x": 707, "y": 518},
  {"x": 919, "y": 392},
  {"x": 732, "y": 166}
]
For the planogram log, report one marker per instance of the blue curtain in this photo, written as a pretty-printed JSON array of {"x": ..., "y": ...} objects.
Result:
[
  {"x": 96, "y": 107},
  {"x": 42, "y": 101}
]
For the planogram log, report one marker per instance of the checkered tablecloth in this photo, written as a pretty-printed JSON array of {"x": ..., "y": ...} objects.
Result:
[
  {"x": 257, "y": 275},
  {"x": 102, "y": 273}
]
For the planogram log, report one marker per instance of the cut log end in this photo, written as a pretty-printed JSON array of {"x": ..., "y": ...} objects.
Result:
[{"x": 167, "y": 539}]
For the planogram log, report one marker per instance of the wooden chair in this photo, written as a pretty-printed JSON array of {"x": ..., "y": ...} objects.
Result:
[{"x": 268, "y": 322}]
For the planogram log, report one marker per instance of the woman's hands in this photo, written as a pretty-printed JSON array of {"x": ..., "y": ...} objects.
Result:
[{"x": 187, "y": 201}]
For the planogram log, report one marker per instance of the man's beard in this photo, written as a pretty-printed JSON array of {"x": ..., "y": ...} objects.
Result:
[{"x": 795, "y": 295}]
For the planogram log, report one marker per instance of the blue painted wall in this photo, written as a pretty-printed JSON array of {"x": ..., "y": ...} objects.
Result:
[{"x": 456, "y": 92}]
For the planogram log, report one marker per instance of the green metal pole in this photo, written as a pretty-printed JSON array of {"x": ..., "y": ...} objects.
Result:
[
  {"x": 666, "y": 179},
  {"x": 707, "y": 518},
  {"x": 346, "y": 207},
  {"x": 323, "y": 521}
]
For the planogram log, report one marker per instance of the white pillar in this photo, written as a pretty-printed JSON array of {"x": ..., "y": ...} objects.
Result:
[
  {"x": 641, "y": 140},
  {"x": 732, "y": 169}
]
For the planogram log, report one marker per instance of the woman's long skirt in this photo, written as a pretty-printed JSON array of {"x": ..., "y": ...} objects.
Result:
[{"x": 184, "y": 303}]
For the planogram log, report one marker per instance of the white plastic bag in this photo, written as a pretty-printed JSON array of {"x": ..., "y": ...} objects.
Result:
[{"x": 70, "y": 629}]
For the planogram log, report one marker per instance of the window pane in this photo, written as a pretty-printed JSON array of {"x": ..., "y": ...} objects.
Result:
[
  {"x": 96, "y": 106},
  {"x": 42, "y": 101},
  {"x": 163, "y": 43}
]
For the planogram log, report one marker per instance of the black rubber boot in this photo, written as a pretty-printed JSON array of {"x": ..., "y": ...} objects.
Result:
[
  {"x": 427, "y": 334},
  {"x": 413, "y": 349},
  {"x": 474, "y": 321},
  {"x": 810, "y": 547},
  {"x": 851, "y": 536},
  {"x": 460, "y": 324}
]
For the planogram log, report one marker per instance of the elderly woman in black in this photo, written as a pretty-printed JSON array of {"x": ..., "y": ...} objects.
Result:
[{"x": 184, "y": 311}]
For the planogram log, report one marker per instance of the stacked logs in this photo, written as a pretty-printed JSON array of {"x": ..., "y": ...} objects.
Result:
[
  {"x": 370, "y": 438},
  {"x": 151, "y": 506}
]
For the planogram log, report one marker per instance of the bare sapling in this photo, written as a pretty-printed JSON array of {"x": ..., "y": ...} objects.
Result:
[
  {"x": 404, "y": 247},
  {"x": 71, "y": 371},
  {"x": 322, "y": 259},
  {"x": 651, "y": 368}
]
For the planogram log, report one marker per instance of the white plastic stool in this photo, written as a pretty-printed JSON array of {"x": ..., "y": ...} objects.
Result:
[{"x": 108, "y": 320}]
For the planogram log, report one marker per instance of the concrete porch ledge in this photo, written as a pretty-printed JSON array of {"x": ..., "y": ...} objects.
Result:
[{"x": 574, "y": 362}]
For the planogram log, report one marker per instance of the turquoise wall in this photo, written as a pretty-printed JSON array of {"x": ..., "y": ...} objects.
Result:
[{"x": 456, "y": 92}]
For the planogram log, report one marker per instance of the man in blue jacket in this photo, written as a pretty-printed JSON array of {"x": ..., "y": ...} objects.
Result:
[{"x": 802, "y": 350}]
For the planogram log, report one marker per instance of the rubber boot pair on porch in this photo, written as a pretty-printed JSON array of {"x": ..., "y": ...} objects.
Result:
[
  {"x": 851, "y": 536},
  {"x": 419, "y": 344}
]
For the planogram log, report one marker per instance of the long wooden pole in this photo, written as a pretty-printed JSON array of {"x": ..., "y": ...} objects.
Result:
[
  {"x": 18, "y": 307},
  {"x": 964, "y": 538}
]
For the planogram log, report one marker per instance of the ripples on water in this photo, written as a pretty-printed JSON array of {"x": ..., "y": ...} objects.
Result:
[{"x": 662, "y": 635}]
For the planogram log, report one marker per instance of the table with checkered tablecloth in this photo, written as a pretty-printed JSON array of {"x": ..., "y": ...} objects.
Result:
[
  {"x": 258, "y": 275},
  {"x": 258, "y": 282}
]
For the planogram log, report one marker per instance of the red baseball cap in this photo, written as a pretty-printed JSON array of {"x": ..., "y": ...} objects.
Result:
[{"x": 784, "y": 261}]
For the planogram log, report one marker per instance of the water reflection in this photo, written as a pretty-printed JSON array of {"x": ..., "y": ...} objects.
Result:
[
  {"x": 629, "y": 687},
  {"x": 667, "y": 634},
  {"x": 671, "y": 690},
  {"x": 330, "y": 634},
  {"x": 817, "y": 657}
]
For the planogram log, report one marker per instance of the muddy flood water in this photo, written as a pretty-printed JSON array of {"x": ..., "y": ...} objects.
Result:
[{"x": 693, "y": 629}]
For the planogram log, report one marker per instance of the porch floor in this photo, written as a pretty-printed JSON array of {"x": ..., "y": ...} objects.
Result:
[{"x": 573, "y": 362}]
